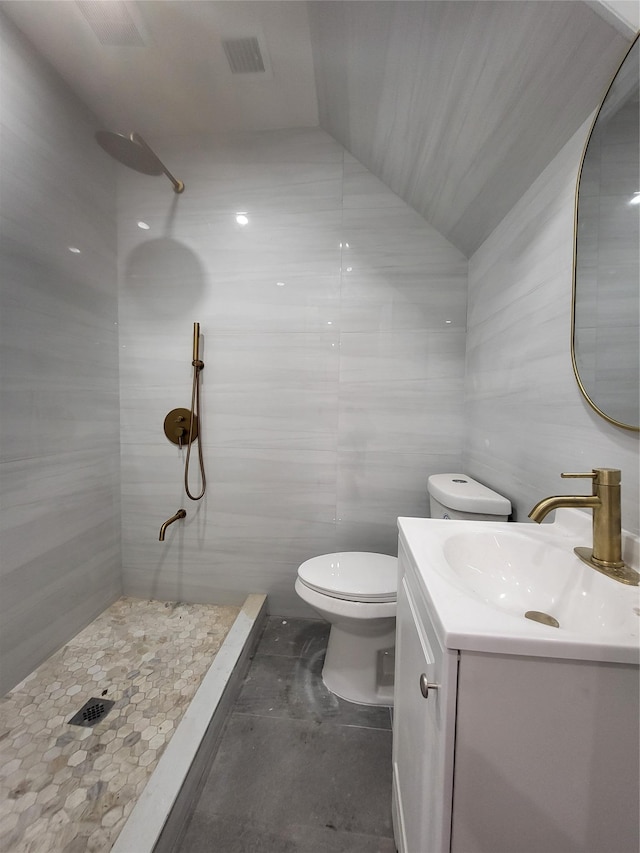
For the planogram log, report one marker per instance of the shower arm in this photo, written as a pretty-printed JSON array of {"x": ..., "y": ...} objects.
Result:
[{"x": 178, "y": 186}]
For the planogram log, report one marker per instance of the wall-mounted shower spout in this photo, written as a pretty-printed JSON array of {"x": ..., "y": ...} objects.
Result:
[
  {"x": 133, "y": 151},
  {"x": 182, "y": 513}
]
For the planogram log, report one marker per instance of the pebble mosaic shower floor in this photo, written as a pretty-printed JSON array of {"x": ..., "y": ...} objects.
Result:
[{"x": 69, "y": 789}]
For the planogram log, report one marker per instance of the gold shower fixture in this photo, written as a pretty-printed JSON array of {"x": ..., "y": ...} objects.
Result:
[
  {"x": 182, "y": 426},
  {"x": 133, "y": 151}
]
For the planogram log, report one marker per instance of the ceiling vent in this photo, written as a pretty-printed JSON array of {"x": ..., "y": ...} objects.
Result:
[
  {"x": 244, "y": 55},
  {"x": 112, "y": 23}
]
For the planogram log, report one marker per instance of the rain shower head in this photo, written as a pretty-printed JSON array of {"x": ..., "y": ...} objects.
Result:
[
  {"x": 134, "y": 152},
  {"x": 127, "y": 150}
]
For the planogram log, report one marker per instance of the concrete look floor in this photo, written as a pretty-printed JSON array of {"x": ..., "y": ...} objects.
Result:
[{"x": 298, "y": 770}]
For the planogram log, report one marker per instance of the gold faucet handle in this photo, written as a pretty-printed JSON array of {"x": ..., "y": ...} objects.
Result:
[{"x": 602, "y": 476}]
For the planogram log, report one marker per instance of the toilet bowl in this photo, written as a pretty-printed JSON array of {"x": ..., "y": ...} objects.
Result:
[{"x": 355, "y": 591}]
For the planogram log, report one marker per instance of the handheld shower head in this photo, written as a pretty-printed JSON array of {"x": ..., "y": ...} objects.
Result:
[{"x": 133, "y": 151}]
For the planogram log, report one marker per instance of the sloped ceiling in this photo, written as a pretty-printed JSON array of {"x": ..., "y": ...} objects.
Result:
[{"x": 456, "y": 105}]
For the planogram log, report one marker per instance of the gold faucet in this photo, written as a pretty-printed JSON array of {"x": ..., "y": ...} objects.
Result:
[
  {"x": 606, "y": 554},
  {"x": 182, "y": 513}
]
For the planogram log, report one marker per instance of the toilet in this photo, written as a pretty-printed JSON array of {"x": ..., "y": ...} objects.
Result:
[{"x": 355, "y": 591}]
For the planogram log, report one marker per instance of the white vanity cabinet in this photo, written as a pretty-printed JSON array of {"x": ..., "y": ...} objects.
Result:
[
  {"x": 507, "y": 753},
  {"x": 424, "y": 723}
]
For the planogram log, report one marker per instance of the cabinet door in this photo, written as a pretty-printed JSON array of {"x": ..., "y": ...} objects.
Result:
[{"x": 422, "y": 749}]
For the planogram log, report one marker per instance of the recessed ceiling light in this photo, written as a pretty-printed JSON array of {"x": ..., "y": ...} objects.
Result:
[
  {"x": 75, "y": 250},
  {"x": 143, "y": 225}
]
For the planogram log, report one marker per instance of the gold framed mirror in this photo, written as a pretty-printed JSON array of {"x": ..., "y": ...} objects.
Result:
[{"x": 605, "y": 339}]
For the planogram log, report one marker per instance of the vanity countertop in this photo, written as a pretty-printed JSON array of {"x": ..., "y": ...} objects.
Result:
[{"x": 479, "y": 578}]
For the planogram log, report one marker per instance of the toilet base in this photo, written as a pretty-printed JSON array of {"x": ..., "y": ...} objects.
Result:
[{"x": 357, "y": 663}]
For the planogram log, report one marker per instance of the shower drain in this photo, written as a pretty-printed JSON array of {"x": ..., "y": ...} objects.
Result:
[{"x": 91, "y": 712}]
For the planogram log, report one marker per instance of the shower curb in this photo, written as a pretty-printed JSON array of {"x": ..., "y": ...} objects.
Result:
[{"x": 159, "y": 817}]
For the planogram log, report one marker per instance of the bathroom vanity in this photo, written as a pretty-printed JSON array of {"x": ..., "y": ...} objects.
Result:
[{"x": 509, "y": 734}]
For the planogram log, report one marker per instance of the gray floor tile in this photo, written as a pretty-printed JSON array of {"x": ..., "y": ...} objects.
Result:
[
  {"x": 294, "y": 637},
  {"x": 293, "y": 687},
  {"x": 291, "y": 772},
  {"x": 298, "y": 770},
  {"x": 223, "y": 834}
]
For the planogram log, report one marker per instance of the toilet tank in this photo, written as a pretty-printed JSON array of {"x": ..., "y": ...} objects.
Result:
[{"x": 459, "y": 496}]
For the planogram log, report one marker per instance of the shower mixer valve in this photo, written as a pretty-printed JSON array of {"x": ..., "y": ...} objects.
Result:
[{"x": 178, "y": 427}]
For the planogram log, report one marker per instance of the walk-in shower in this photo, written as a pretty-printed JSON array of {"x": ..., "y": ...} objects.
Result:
[{"x": 133, "y": 151}]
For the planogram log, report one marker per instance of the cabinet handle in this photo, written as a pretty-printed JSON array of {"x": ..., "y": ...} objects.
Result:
[{"x": 426, "y": 685}]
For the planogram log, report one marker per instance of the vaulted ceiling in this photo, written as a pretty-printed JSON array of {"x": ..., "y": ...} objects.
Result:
[
  {"x": 456, "y": 105},
  {"x": 459, "y": 106}
]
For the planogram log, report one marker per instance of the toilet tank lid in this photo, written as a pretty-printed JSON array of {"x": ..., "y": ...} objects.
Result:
[{"x": 463, "y": 493}]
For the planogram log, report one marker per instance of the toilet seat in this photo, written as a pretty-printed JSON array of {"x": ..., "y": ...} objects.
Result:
[{"x": 357, "y": 576}]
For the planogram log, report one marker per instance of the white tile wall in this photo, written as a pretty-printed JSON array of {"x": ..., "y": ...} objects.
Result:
[
  {"x": 328, "y": 398},
  {"x": 526, "y": 419},
  {"x": 59, "y": 473}
]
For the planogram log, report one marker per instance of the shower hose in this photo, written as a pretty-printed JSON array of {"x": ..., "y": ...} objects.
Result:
[{"x": 195, "y": 410}]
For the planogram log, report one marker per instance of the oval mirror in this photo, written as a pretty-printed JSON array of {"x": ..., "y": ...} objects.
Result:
[{"x": 606, "y": 272}]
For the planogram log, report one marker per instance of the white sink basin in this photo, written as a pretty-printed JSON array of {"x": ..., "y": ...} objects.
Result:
[
  {"x": 481, "y": 578},
  {"x": 519, "y": 575}
]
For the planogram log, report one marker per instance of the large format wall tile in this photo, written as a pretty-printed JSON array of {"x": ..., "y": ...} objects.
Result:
[
  {"x": 59, "y": 474},
  {"x": 333, "y": 339},
  {"x": 526, "y": 419},
  {"x": 458, "y": 106}
]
